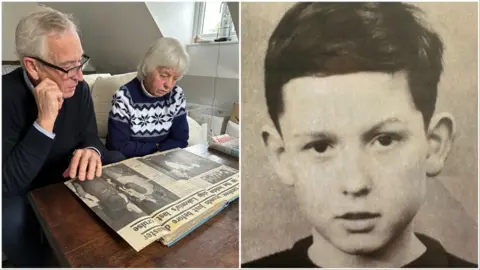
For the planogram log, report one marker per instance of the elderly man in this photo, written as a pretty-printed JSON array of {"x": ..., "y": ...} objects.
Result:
[
  {"x": 49, "y": 128},
  {"x": 148, "y": 113}
]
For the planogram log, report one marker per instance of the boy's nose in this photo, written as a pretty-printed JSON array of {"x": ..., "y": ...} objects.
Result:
[{"x": 356, "y": 179}]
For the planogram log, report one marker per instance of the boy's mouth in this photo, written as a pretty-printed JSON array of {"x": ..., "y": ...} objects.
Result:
[
  {"x": 359, "y": 215},
  {"x": 359, "y": 222}
]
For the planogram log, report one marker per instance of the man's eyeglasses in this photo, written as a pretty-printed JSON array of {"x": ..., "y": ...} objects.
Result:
[{"x": 71, "y": 72}]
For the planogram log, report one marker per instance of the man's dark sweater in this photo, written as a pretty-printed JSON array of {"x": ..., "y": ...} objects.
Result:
[
  {"x": 30, "y": 158},
  {"x": 297, "y": 257}
]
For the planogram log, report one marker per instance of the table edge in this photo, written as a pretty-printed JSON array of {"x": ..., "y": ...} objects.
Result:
[{"x": 60, "y": 256}]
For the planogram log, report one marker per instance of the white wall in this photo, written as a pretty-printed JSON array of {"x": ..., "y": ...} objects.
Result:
[
  {"x": 213, "y": 75},
  {"x": 11, "y": 14},
  {"x": 214, "y": 60},
  {"x": 115, "y": 34},
  {"x": 175, "y": 19},
  {"x": 234, "y": 12}
]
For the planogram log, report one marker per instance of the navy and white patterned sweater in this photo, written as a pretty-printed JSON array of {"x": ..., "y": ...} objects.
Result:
[{"x": 139, "y": 122}]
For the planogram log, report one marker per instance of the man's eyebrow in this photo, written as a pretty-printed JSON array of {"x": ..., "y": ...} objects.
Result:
[{"x": 71, "y": 62}]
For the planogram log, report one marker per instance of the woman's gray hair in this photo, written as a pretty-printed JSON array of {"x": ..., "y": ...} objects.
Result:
[
  {"x": 32, "y": 30},
  {"x": 164, "y": 52}
]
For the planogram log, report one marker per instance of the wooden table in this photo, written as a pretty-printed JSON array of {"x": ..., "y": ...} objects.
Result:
[{"x": 80, "y": 239}]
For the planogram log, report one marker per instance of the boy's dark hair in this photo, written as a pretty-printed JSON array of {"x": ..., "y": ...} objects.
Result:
[{"x": 322, "y": 39}]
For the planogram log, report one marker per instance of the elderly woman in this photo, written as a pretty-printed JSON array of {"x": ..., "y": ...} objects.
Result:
[{"x": 148, "y": 113}]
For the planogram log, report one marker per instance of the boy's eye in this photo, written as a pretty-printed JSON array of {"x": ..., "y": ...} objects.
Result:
[
  {"x": 386, "y": 140},
  {"x": 320, "y": 147}
]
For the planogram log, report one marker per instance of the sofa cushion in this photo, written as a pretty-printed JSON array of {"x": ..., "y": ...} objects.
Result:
[
  {"x": 103, "y": 90},
  {"x": 9, "y": 68},
  {"x": 195, "y": 132},
  {"x": 91, "y": 78}
]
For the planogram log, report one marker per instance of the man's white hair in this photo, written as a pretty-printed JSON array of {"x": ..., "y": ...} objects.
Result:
[
  {"x": 32, "y": 30},
  {"x": 164, "y": 52}
]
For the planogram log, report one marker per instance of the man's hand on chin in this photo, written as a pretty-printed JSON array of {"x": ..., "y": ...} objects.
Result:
[{"x": 85, "y": 164}]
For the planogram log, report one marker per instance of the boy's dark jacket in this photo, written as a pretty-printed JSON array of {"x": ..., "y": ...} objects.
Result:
[{"x": 296, "y": 257}]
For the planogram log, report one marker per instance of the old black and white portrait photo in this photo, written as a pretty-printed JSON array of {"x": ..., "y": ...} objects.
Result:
[
  {"x": 146, "y": 194},
  {"x": 359, "y": 134},
  {"x": 112, "y": 206},
  {"x": 180, "y": 165},
  {"x": 218, "y": 175}
]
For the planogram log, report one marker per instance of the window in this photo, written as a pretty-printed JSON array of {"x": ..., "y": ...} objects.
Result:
[{"x": 213, "y": 20}]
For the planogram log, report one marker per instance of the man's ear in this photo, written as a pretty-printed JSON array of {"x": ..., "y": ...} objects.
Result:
[
  {"x": 440, "y": 136},
  {"x": 275, "y": 149},
  {"x": 31, "y": 68}
]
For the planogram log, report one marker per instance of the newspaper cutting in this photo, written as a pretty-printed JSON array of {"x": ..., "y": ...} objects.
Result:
[{"x": 160, "y": 197}]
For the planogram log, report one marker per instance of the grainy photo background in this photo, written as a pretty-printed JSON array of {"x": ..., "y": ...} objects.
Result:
[{"x": 270, "y": 220}]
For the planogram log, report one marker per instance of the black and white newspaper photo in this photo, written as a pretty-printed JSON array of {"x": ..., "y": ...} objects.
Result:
[
  {"x": 359, "y": 134},
  {"x": 146, "y": 194},
  {"x": 180, "y": 165},
  {"x": 113, "y": 206},
  {"x": 160, "y": 197}
]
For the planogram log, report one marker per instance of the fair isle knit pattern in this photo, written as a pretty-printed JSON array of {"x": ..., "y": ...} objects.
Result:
[
  {"x": 148, "y": 119},
  {"x": 140, "y": 124}
]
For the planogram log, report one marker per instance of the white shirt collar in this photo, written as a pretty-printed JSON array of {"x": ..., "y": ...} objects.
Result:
[
  {"x": 150, "y": 95},
  {"x": 28, "y": 81},
  {"x": 145, "y": 91}
]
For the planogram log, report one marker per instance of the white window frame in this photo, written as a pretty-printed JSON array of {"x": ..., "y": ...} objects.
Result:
[{"x": 199, "y": 18}]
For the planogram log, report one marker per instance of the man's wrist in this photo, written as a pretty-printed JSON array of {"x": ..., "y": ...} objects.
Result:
[
  {"x": 89, "y": 148},
  {"x": 46, "y": 125},
  {"x": 47, "y": 133},
  {"x": 94, "y": 149}
]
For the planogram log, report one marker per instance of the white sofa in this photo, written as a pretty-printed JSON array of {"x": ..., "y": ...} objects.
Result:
[{"x": 103, "y": 86}]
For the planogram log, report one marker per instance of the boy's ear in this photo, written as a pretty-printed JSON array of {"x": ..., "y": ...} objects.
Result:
[
  {"x": 440, "y": 136},
  {"x": 273, "y": 143}
]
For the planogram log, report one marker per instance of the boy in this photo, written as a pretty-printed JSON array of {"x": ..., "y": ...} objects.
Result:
[{"x": 351, "y": 89}]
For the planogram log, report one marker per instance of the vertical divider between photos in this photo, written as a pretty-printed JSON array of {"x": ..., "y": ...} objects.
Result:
[{"x": 239, "y": 34}]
